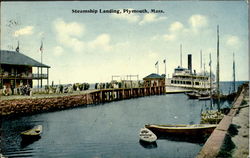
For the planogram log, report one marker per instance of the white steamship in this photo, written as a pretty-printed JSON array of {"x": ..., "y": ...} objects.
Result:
[{"x": 185, "y": 78}]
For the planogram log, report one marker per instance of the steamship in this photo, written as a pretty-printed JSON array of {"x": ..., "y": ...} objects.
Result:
[{"x": 185, "y": 78}]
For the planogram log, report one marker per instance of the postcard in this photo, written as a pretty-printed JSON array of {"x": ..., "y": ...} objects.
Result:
[{"x": 123, "y": 79}]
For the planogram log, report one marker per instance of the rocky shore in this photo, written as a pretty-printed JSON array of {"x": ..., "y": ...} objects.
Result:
[{"x": 30, "y": 105}]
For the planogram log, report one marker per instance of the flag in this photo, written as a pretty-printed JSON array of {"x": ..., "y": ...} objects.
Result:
[
  {"x": 17, "y": 48},
  {"x": 210, "y": 63},
  {"x": 156, "y": 63},
  {"x": 41, "y": 47},
  {"x": 164, "y": 61}
]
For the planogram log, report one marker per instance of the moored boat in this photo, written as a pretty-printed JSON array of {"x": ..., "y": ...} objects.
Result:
[
  {"x": 147, "y": 135},
  {"x": 185, "y": 78},
  {"x": 211, "y": 116},
  {"x": 204, "y": 98},
  {"x": 184, "y": 130},
  {"x": 33, "y": 133},
  {"x": 193, "y": 95}
]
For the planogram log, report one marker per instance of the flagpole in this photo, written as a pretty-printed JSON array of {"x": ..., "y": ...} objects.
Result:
[
  {"x": 157, "y": 68},
  {"x": 41, "y": 49},
  {"x": 165, "y": 68}
]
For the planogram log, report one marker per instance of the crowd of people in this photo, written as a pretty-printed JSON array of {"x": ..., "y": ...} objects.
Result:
[
  {"x": 21, "y": 90},
  {"x": 69, "y": 88}
]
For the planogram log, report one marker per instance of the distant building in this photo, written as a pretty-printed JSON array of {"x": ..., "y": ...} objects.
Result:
[
  {"x": 16, "y": 69},
  {"x": 154, "y": 80}
]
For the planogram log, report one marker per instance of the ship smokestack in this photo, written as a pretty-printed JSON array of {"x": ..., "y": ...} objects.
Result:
[{"x": 190, "y": 62}]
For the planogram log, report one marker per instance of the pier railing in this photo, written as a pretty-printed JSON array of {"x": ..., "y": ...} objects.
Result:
[{"x": 107, "y": 95}]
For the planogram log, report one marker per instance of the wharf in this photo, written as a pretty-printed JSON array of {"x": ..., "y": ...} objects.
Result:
[
  {"x": 222, "y": 143},
  {"x": 23, "y": 105}
]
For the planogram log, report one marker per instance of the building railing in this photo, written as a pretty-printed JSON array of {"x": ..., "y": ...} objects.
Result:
[
  {"x": 39, "y": 76},
  {"x": 7, "y": 75}
]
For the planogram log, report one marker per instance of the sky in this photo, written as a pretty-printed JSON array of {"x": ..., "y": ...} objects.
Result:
[{"x": 91, "y": 47}]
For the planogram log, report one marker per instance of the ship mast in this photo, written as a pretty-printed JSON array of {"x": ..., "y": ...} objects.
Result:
[
  {"x": 210, "y": 76},
  {"x": 218, "y": 64},
  {"x": 181, "y": 55},
  {"x": 218, "y": 69},
  {"x": 201, "y": 59},
  {"x": 233, "y": 74}
]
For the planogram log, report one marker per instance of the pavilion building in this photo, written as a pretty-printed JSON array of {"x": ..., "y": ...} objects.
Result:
[{"x": 17, "y": 69}]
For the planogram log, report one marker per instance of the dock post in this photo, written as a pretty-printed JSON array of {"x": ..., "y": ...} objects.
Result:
[
  {"x": 100, "y": 96},
  {"x": 123, "y": 93}
]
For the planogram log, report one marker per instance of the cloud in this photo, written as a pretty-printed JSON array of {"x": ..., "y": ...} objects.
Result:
[
  {"x": 58, "y": 51},
  {"x": 131, "y": 18},
  {"x": 232, "y": 41},
  {"x": 197, "y": 21},
  {"x": 149, "y": 18},
  {"x": 156, "y": 37},
  {"x": 102, "y": 41},
  {"x": 69, "y": 34},
  {"x": 176, "y": 26},
  {"x": 134, "y": 18},
  {"x": 69, "y": 29},
  {"x": 177, "y": 30},
  {"x": 153, "y": 55},
  {"x": 41, "y": 34},
  {"x": 169, "y": 37},
  {"x": 174, "y": 29},
  {"x": 28, "y": 30}
]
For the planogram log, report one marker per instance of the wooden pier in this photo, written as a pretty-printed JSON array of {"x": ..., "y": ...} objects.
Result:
[
  {"x": 108, "y": 95},
  {"x": 31, "y": 105}
]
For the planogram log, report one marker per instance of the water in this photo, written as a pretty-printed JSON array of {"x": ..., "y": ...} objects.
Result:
[
  {"x": 107, "y": 130},
  {"x": 227, "y": 87}
]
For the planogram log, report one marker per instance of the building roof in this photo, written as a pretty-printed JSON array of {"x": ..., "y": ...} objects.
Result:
[
  {"x": 16, "y": 58},
  {"x": 154, "y": 76}
]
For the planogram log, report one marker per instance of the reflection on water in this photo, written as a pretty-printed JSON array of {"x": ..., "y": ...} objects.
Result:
[
  {"x": 26, "y": 141},
  {"x": 194, "y": 139},
  {"x": 107, "y": 130},
  {"x": 148, "y": 145}
]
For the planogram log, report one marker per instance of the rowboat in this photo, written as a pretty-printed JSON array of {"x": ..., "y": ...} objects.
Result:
[
  {"x": 183, "y": 130},
  {"x": 147, "y": 135},
  {"x": 33, "y": 133},
  {"x": 204, "y": 98},
  {"x": 193, "y": 95}
]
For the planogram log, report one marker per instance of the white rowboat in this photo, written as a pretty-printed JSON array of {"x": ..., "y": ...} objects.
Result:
[{"x": 147, "y": 135}]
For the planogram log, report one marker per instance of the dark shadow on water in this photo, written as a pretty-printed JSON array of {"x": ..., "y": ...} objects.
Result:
[
  {"x": 177, "y": 138},
  {"x": 148, "y": 145},
  {"x": 27, "y": 141}
]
